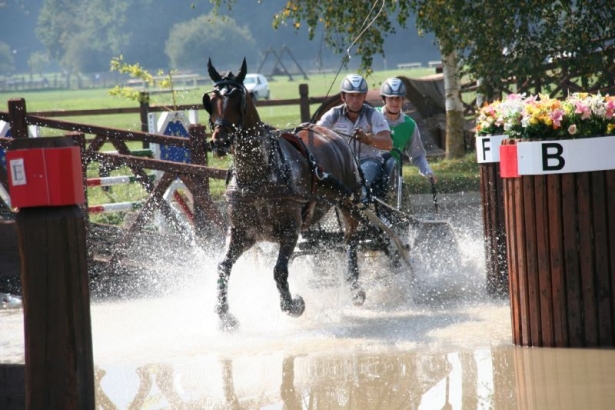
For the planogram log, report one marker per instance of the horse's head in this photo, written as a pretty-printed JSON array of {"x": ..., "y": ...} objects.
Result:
[{"x": 226, "y": 105}]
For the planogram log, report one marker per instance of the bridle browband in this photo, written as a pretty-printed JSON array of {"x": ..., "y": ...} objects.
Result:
[{"x": 236, "y": 86}]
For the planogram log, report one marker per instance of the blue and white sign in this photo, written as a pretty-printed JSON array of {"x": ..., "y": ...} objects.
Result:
[
  {"x": 175, "y": 124},
  {"x": 566, "y": 156},
  {"x": 488, "y": 148}
]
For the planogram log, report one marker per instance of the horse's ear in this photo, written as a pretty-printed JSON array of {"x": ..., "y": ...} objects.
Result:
[
  {"x": 242, "y": 71},
  {"x": 207, "y": 103},
  {"x": 213, "y": 73}
]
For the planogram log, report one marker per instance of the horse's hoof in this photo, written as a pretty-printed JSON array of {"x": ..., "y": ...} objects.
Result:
[
  {"x": 228, "y": 323},
  {"x": 297, "y": 308},
  {"x": 294, "y": 307},
  {"x": 358, "y": 297}
]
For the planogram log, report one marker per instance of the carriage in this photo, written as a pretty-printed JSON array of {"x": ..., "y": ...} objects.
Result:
[{"x": 301, "y": 190}]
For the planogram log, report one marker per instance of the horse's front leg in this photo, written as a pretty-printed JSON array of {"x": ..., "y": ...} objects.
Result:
[
  {"x": 352, "y": 274},
  {"x": 238, "y": 243},
  {"x": 294, "y": 307}
]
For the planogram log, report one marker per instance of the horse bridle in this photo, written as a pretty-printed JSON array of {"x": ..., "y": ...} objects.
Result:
[{"x": 222, "y": 122}]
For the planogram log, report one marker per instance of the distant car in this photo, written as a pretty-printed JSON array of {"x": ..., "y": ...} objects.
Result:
[{"x": 257, "y": 85}]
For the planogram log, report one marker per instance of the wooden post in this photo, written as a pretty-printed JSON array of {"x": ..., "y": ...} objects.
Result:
[
  {"x": 17, "y": 118},
  {"x": 207, "y": 219},
  {"x": 56, "y": 299},
  {"x": 494, "y": 228},
  {"x": 304, "y": 103},
  {"x": 494, "y": 224},
  {"x": 144, "y": 111}
]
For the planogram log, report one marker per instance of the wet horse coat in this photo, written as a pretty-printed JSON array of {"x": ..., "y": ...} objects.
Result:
[{"x": 278, "y": 186}]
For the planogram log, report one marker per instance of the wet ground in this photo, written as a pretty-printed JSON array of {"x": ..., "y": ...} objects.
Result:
[{"x": 431, "y": 340}]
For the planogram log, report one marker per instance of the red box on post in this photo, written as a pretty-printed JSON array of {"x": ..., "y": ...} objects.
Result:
[{"x": 45, "y": 177}]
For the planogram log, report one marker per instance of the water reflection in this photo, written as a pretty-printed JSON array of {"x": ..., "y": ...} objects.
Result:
[{"x": 504, "y": 377}]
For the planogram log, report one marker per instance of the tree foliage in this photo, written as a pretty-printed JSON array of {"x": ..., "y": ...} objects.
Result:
[
  {"x": 498, "y": 39},
  {"x": 190, "y": 44},
  {"x": 6, "y": 58},
  {"x": 82, "y": 35},
  {"x": 494, "y": 39}
]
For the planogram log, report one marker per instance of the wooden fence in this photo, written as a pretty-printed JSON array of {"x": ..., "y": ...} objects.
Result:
[{"x": 195, "y": 175}]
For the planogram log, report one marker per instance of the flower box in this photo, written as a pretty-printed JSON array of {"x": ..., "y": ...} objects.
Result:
[
  {"x": 558, "y": 172},
  {"x": 560, "y": 230}
]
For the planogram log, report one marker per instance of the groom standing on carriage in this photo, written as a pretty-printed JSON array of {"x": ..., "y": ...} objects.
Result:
[{"x": 365, "y": 129}]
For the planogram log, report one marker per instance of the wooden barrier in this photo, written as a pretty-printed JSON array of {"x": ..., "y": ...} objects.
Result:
[
  {"x": 407, "y": 66},
  {"x": 494, "y": 228},
  {"x": 59, "y": 370},
  {"x": 560, "y": 234}
]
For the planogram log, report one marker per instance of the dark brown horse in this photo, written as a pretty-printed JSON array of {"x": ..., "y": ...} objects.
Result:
[{"x": 279, "y": 185}]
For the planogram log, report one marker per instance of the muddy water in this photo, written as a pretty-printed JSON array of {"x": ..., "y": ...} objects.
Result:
[{"x": 434, "y": 341}]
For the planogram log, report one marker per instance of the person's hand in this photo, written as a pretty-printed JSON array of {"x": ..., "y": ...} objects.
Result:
[
  {"x": 362, "y": 136},
  {"x": 432, "y": 178}
]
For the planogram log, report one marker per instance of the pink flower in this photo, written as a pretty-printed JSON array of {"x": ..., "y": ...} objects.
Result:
[
  {"x": 557, "y": 115},
  {"x": 582, "y": 109},
  {"x": 610, "y": 109},
  {"x": 572, "y": 129}
]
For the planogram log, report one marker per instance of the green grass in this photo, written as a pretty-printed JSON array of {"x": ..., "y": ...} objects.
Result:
[
  {"x": 281, "y": 88},
  {"x": 453, "y": 175}
]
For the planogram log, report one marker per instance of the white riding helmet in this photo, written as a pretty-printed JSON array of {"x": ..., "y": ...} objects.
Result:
[
  {"x": 354, "y": 83},
  {"x": 393, "y": 87}
]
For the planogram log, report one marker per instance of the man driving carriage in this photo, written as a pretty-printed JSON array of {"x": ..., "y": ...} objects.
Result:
[
  {"x": 365, "y": 129},
  {"x": 404, "y": 131}
]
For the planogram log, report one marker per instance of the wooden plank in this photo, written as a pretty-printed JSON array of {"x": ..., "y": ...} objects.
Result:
[
  {"x": 571, "y": 261},
  {"x": 531, "y": 264},
  {"x": 586, "y": 259},
  {"x": 509, "y": 206},
  {"x": 58, "y": 340},
  {"x": 10, "y": 265},
  {"x": 599, "y": 223},
  {"x": 521, "y": 269},
  {"x": 556, "y": 255},
  {"x": 486, "y": 172},
  {"x": 610, "y": 206},
  {"x": 501, "y": 233},
  {"x": 543, "y": 261}
]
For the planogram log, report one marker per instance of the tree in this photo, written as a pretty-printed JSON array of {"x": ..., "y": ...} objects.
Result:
[
  {"x": 38, "y": 62},
  {"x": 491, "y": 40},
  {"x": 191, "y": 44},
  {"x": 82, "y": 36},
  {"x": 6, "y": 59},
  {"x": 364, "y": 26}
]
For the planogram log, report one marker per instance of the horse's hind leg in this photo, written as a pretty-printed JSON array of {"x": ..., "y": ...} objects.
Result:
[
  {"x": 294, "y": 307},
  {"x": 352, "y": 274},
  {"x": 238, "y": 244}
]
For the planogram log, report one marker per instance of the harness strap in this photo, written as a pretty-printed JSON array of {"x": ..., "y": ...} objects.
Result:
[{"x": 317, "y": 171}]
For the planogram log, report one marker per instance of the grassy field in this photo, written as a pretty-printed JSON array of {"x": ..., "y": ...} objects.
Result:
[
  {"x": 281, "y": 88},
  {"x": 453, "y": 175}
]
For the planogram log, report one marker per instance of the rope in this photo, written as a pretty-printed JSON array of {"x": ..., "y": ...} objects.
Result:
[{"x": 364, "y": 28}]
